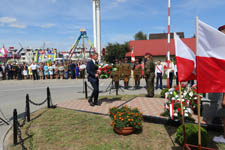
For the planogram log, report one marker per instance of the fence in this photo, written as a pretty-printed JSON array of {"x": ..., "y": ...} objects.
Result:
[{"x": 17, "y": 126}]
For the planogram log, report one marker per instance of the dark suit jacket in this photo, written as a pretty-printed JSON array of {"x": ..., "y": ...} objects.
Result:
[{"x": 92, "y": 70}]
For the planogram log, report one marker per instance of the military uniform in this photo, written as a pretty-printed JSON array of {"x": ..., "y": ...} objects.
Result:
[
  {"x": 137, "y": 73},
  {"x": 116, "y": 75},
  {"x": 126, "y": 72},
  {"x": 150, "y": 75}
]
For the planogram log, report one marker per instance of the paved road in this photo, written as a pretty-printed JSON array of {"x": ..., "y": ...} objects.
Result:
[{"x": 12, "y": 94}]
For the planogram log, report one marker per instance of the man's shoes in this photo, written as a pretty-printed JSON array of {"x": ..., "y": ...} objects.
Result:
[
  {"x": 91, "y": 104},
  {"x": 149, "y": 96},
  {"x": 97, "y": 103},
  {"x": 219, "y": 139}
]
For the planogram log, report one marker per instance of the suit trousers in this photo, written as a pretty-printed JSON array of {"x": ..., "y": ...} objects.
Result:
[
  {"x": 159, "y": 80},
  {"x": 95, "y": 92},
  {"x": 171, "y": 74}
]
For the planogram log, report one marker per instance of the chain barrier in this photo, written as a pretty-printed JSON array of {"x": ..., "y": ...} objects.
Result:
[
  {"x": 89, "y": 87},
  {"x": 19, "y": 126},
  {"x": 6, "y": 121},
  {"x": 38, "y": 104},
  {"x": 24, "y": 119},
  {"x": 20, "y": 135}
]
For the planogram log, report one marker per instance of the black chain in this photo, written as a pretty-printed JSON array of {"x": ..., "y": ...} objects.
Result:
[
  {"x": 89, "y": 87},
  {"x": 37, "y": 104},
  {"x": 20, "y": 136},
  {"x": 4, "y": 117},
  {"x": 24, "y": 119}
]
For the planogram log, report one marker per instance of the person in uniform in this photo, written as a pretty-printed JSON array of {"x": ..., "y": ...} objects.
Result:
[
  {"x": 126, "y": 72},
  {"x": 159, "y": 74},
  {"x": 137, "y": 68},
  {"x": 116, "y": 75},
  {"x": 149, "y": 74}
]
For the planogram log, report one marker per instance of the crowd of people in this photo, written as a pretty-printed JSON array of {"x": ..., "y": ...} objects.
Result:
[{"x": 40, "y": 71}]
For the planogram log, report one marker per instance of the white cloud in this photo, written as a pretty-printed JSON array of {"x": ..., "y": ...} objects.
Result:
[
  {"x": 49, "y": 25},
  {"x": 17, "y": 25},
  {"x": 121, "y": 1},
  {"x": 117, "y": 2},
  {"x": 53, "y": 1},
  {"x": 7, "y": 20},
  {"x": 199, "y": 4}
]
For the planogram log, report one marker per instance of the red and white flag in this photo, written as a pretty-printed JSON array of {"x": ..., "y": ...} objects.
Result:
[
  {"x": 132, "y": 55},
  {"x": 186, "y": 64},
  {"x": 210, "y": 59},
  {"x": 172, "y": 111}
]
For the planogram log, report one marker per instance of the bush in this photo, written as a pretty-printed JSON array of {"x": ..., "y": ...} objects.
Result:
[
  {"x": 162, "y": 94},
  {"x": 191, "y": 135}
]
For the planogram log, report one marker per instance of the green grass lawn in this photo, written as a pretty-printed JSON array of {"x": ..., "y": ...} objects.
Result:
[{"x": 62, "y": 129}]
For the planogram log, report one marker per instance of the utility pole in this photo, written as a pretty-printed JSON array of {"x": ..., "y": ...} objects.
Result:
[{"x": 97, "y": 26}]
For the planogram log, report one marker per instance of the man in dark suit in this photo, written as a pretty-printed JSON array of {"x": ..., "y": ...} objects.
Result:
[{"x": 93, "y": 78}]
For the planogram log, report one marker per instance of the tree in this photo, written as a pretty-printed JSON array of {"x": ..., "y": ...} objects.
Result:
[
  {"x": 116, "y": 51},
  {"x": 140, "y": 36}
]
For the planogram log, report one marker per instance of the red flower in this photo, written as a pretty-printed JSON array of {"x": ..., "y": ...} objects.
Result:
[{"x": 183, "y": 85}]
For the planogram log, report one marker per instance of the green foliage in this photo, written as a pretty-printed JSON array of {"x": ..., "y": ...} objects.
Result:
[
  {"x": 191, "y": 135},
  {"x": 116, "y": 51},
  {"x": 126, "y": 117},
  {"x": 162, "y": 94},
  {"x": 140, "y": 36}
]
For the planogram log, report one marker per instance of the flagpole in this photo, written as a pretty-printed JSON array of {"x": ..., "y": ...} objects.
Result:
[
  {"x": 168, "y": 44},
  {"x": 199, "y": 121},
  {"x": 182, "y": 114}
]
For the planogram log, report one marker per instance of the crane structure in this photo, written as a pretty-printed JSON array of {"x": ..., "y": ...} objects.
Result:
[{"x": 75, "y": 49}]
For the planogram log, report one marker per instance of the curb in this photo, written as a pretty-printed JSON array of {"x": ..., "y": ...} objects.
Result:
[{"x": 4, "y": 136}]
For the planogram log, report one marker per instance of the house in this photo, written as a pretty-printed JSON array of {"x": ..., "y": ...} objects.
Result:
[{"x": 157, "y": 47}]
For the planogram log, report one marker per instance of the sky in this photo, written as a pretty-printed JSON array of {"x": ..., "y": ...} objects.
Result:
[{"x": 57, "y": 23}]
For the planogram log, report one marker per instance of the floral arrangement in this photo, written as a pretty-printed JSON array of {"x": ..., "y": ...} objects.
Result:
[
  {"x": 105, "y": 71},
  {"x": 126, "y": 117},
  {"x": 188, "y": 98}
]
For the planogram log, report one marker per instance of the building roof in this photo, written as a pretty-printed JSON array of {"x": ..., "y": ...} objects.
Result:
[
  {"x": 157, "y": 47},
  {"x": 164, "y": 35}
]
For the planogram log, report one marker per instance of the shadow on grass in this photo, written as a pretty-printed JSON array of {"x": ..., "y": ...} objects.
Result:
[{"x": 28, "y": 136}]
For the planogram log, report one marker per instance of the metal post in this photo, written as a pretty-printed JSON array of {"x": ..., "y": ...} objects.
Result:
[
  {"x": 15, "y": 127},
  {"x": 48, "y": 97},
  {"x": 85, "y": 86},
  {"x": 27, "y": 108}
]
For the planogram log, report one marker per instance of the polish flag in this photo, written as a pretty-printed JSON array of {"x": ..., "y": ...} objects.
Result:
[
  {"x": 132, "y": 55},
  {"x": 210, "y": 59},
  {"x": 186, "y": 64},
  {"x": 172, "y": 111}
]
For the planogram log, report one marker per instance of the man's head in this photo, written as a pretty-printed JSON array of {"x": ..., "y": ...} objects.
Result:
[
  {"x": 159, "y": 62},
  {"x": 222, "y": 28},
  {"x": 136, "y": 61},
  {"x": 148, "y": 55},
  {"x": 125, "y": 59},
  {"x": 95, "y": 56}
]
